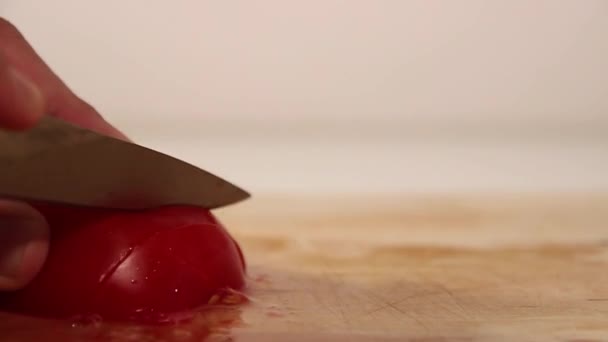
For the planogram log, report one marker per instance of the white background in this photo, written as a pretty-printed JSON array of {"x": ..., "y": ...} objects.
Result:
[{"x": 346, "y": 96}]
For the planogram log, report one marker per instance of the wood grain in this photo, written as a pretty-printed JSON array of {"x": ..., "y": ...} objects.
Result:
[
  {"x": 476, "y": 268},
  {"x": 394, "y": 268}
]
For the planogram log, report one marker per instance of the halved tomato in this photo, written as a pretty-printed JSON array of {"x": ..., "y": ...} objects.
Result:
[{"x": 130, "y": 265}]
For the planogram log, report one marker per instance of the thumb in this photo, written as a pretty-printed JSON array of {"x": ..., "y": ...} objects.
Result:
[{"x": 24, "y": 241}]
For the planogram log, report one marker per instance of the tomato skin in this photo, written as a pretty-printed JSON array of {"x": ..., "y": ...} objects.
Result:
[{"x": 130, "y": 265}]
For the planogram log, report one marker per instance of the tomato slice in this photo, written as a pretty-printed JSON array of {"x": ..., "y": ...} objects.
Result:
[{"x": 130, "y": 265}]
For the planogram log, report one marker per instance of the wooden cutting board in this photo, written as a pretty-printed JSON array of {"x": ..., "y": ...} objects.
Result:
[{"x": 445, "y": 268}]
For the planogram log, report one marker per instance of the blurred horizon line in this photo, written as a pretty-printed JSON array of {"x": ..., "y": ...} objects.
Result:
[{"x": 366, "y": 129}]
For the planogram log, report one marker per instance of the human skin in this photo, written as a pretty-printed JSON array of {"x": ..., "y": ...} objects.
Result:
[{"x": 29, "y": 89}]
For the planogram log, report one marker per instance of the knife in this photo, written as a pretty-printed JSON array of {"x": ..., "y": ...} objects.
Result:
[{"x": 58, "y": 162}]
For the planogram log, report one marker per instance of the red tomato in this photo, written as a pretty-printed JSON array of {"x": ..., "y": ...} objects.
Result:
[{"x": 126, "y": 265}]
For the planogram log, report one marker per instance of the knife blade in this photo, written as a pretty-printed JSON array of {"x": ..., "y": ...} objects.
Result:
[{"x": 60, "y": 163}]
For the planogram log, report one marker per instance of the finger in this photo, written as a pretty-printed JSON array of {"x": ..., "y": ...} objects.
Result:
[
  {"x": 21, "y": 103},
  {"x": 60, "y": 100},
  {"x": 24, "y": 241}
]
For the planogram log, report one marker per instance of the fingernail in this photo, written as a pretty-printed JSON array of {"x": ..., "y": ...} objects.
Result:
[
  {"x": 28, "y": 94},
  {"x": 23, "y": 247},
  {"x": 22, "y": 83}
]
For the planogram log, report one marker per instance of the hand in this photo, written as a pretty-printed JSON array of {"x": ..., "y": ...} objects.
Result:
[{"x": 28, "y": 90}]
